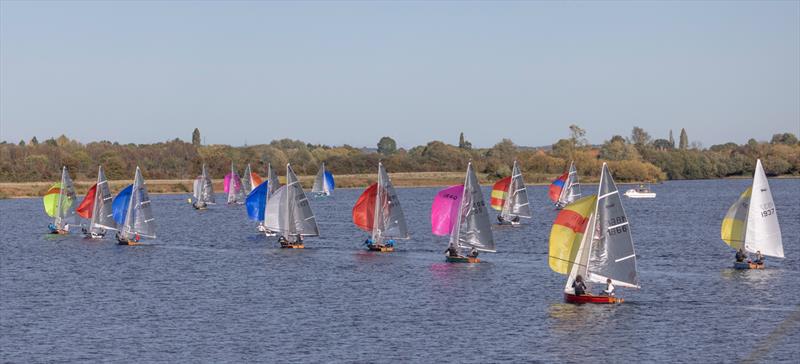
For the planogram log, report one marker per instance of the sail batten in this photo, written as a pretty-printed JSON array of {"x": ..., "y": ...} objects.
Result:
[{"x": 139, "y": 219}]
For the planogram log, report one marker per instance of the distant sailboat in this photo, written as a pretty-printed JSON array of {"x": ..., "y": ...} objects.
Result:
[
  {"x": 510, "y": 197},
  {"x": 250, "y": 180},
  {"x": 289, "y": 214},
  {"x": 255, "y": 209},
  {"x": 59, "y": 204},
  {"x": 591, "y": 238},
  {"x": 323, "y": 183},
  {"x": 460, "y": 211},
  {"x": 233, "y": 187},
  {"x": 203, "y": 193},
  {"x": 96, "y": 207},
  {"x": 566, "y": 188},
  {"x": 751, "y": 223},
  {"x": 378, "y": 212},
  {"x": 133, "y": 213}
]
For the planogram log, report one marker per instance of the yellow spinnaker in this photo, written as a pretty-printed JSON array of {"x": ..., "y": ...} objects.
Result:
[
  {"x": 567, "y": 233},
  {"x": 734, "y": 225},
  {"x": 51, "y": 199}
]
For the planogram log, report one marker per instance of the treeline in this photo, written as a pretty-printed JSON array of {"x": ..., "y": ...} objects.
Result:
[{"x": 636, "y": 158}]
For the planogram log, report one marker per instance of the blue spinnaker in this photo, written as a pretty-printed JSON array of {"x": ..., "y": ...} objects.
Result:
[
  {"x": 329, "y": 179},
  {"x": 120, "y": 204},
  {"x": 256, "y": 202}
]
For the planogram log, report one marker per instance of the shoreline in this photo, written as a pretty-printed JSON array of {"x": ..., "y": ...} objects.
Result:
[{"x": 345, "y": 181}]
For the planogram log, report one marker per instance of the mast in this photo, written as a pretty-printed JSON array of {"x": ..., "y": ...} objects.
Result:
[
  {"x": 97, "y": 199},
  {"x": 378, "y": 223},
  {"x": 455, "y": 234}
]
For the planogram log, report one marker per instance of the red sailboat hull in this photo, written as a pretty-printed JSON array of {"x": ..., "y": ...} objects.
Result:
[{"x": 589, "y": 298}]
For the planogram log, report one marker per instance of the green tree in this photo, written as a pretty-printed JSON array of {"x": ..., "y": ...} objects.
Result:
[
  {"x": 21, "y": 143},
  {"x": 684, "y": 140},
  {"x": 387, "y": 146},
  {"x": 578, "y": 136},
  {"x": 196, "y": 137},
  {"x": 34, "y": 141},
  {"x": 639, "y": 137},
  {"x": 785, "y": 138},
  {"x": 463, "y": 143}
]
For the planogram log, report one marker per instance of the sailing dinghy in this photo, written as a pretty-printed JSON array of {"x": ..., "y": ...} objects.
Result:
[
  {"x": 460, "y": 211},
  {"x": 133, "y": 213},
  {"x": 752, "y": 222},
  {"x": 233, "y": 187},
  {"x": 591, "y": 238},
  {"x": 96, "y": 207},
  {"x": 273, "y": 185},
  {"x": 58, "y": 204},
  {"x": 203, "y": 193},
  {"x": 323, "y": 183},
  {"x": 510, "y": 197},
  {"x": 565, "y": 189},
  {"x": 378, "y": 212},
  {"x": 289, "y": 214}
]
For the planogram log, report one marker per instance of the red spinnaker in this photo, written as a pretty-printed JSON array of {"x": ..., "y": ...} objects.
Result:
[
  {"x": 364, "y": 209},
  {"x": 84, "y": 210}
]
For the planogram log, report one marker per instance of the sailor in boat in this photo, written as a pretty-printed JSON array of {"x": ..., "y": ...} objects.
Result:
[
  {"x": 55, "y": 230},
  {"x": 473, "y": 253},
  {"x": 98, "y": 234},
  {"x": 503, "y": 221},
  {"x": 759, "y": 258},
  {"x": 451, "y": 251},
  {"x": 124, "y": 241},
  {"x": 283, "y": 241},
  {"x": 199, "y": 205},
  {"x": 740, "y": 255},
  {"x": 609, "y": 290},
  {"x": 579, "y": 286}
]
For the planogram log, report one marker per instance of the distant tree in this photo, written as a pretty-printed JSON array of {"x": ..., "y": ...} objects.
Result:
[
  {"x": 387, "y": 146},
  {"x": 463, "y": 143},
  {"x": 671, "y": 140},
  {"x": 684, "y": 140},
  {"x": 663, "y": 144},
  {"x": 639, "y": 137},
  {"x": 617, "y": 150},
  {"x": 785, "y": 138},
  {"x": 21, "y": 143},
  {"x": 577, "y": 135},
  {"x": 34, "y": 141},
  {"x": 196, "y": 137}
]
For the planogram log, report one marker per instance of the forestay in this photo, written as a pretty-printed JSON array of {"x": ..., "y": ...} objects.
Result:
[{"x": 516, "y": 202}]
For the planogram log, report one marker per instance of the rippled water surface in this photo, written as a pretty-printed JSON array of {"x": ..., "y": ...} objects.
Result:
[{"x": 211, "y": 289}]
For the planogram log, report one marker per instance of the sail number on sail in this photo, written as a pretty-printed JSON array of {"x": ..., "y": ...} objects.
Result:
[{"x": 617, "y": 225}]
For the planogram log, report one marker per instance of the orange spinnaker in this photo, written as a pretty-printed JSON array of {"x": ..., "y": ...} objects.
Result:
[
  {"x": 256, "y": 180},
  {"x": 499, "y": 193},
  {"x": 364, "y": 209},
  {"x": 84, "y": 210}
]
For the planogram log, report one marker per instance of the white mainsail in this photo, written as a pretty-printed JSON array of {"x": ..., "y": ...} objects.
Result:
[
  {"x": 389, "y": 221},
  {"x": 763, "y": 232},
  {"x": 288, "y": 211},
  {"x": 321, "y": 185},
  {"x": 235, "y": 195},
  {"x": 472, "y": 228},
  {"x": 139, "y": 216},
  {"x": 516, "y": 203},
  {"x": 65, "y": 212},
  {"x": 204, "y": 188},
  {"x": 572, "y": 188},
  {"x": 102, "y": 212},
  {"x": 247, "y": 180}
]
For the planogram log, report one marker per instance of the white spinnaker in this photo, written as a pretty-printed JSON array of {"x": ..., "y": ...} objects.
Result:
[{"x": 763, "y": 232}]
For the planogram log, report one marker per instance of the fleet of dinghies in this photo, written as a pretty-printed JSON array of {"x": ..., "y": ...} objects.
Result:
[{"x": 590, "y": 239}]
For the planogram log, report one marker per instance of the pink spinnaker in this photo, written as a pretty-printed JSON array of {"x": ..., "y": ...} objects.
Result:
[
  {"x": 237, "y": 182},
  {"x": 444, "y": 210}
]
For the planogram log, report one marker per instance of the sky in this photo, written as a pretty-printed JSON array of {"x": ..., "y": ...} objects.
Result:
[{"x": 351, "y": 72}]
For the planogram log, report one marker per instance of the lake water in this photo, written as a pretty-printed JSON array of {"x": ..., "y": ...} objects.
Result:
[{"x": 211, "y": 289}]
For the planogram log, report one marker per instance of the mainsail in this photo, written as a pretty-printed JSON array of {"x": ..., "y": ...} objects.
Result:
[
  {"x": 752, "y": 222},
  {"x": 463, "y": 210},
  {"x": 611, "y": 254},
  {"x": 97, "y": 207},
  {"x": 233, "y": 187},
  {"x": 323, "y": 182},
  {"x": 139, "y": 218},
  {"x": 510, "y": 196},
  {"x": 204, "y": 188},
  {"x": 247, "y": 181},
  {"x": 59, "y": 201},
  {"x": 288, "y": 211},
  {"x": 566, "y": 188},
  {"x": 378, "y": 210}
]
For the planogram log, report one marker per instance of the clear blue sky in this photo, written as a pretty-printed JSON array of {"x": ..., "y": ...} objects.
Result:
[{"x": 351, "y": 72}]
